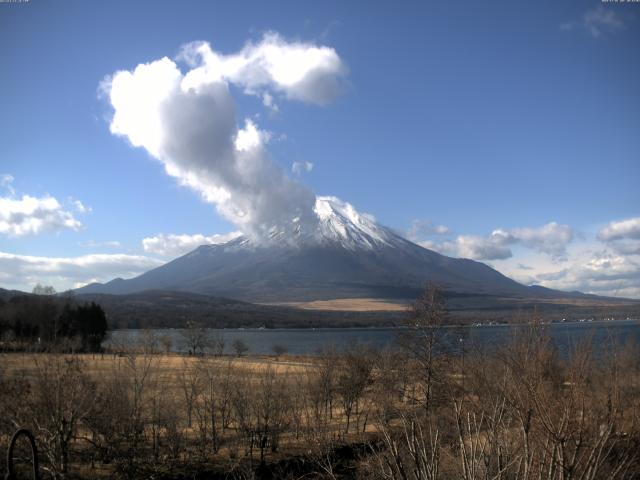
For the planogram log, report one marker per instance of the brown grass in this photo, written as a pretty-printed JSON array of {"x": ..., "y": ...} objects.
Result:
[
  {"x": 351, "y": 305},
  {"x": 169, "y": 365}
]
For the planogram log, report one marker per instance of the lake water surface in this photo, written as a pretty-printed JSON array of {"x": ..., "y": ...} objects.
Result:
[{"x": 310, "y": 341}]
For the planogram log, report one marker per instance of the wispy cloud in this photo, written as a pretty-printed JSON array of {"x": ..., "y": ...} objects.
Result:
[
  {"x": 94, "y": 244},
  {"x": 421, "y": 228},
  {"x": 301, "y": 167},
  {"x": 6, "y": 181},
  {"x": 597, "y": 22},
  {"x": 172, "y": 245},
  {"x": 79, "y": 206}
]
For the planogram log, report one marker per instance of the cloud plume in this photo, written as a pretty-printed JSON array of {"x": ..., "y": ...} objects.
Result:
[{"x": 188, "y": 122}]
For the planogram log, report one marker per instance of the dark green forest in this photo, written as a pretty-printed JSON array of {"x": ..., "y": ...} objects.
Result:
[{"x": 47, "y": 321}]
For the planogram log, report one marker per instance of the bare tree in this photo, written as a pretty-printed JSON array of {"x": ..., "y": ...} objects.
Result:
[
  {"x": 196, "y": 338},
  {"x": 218, "y": 343},
  {"x": 62, "y": 396},
  {"x": 240, "y": 346},
  {"x": 167, "y": 343},
  {"x": 149, "y": 342},
  {"x": 125, "y": 405},
  {"x": 411, "y": 452},
  {"x": 353, "y": 378},
  {"x": 423, "y": 339},
  {"x": 189, "y": 380},
  {"x": 279, "y": 350}
]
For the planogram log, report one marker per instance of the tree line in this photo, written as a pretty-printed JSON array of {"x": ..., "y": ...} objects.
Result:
[{"x": 43, "y": 321}]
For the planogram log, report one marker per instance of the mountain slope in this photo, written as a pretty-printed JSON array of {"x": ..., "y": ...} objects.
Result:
[{"x": 346, "y": 255}]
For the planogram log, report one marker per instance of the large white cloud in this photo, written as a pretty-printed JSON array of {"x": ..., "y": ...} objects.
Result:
[
  {"x": 607, "y": 263},
  {"x": 34, "y": 215},
  {"x": 172, "y": 245},
  {"x": 299, "y": 71},
  {"x": 551, "y": 238},
  {"x": 621, "y": 229},
  {"x": 623, "y": 236},
  {"x": 188, "y": 122},
  {"x": 24, "y": 271}
]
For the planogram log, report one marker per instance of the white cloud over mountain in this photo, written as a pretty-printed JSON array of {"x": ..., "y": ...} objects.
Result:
[
  {"x": 171, "y": 245},
  {"x": 188, "y": 122}
]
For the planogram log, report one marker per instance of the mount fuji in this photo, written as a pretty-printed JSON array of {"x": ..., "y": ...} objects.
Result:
[{"x": 345, "y": 254}]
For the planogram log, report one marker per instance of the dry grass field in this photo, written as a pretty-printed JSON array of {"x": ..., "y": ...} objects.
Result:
[
  {"x": 359, "y": 413},
  {"x": 217, "y": 412},
  {"x": 352, "y": 305},
  {"x": 171, "y": 365}
]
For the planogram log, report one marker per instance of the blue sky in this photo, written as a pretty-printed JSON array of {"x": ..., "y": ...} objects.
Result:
[{"x": 508, "y": 132}]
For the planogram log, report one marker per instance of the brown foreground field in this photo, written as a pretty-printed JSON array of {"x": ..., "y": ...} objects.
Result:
[{"x": 518, "y": 412}]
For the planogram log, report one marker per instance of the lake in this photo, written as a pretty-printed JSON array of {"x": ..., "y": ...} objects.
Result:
[{"x": 310, "y": 341}]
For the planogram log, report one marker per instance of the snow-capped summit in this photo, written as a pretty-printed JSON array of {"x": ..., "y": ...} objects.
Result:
[
  {"x": 340, "y": 222},
  {"x": 344, "y": 254}
]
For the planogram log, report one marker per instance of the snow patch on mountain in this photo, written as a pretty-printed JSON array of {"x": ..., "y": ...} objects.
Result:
[
  {"x": 340, "y": 222},
  {"x": 339, "y": 225}
]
